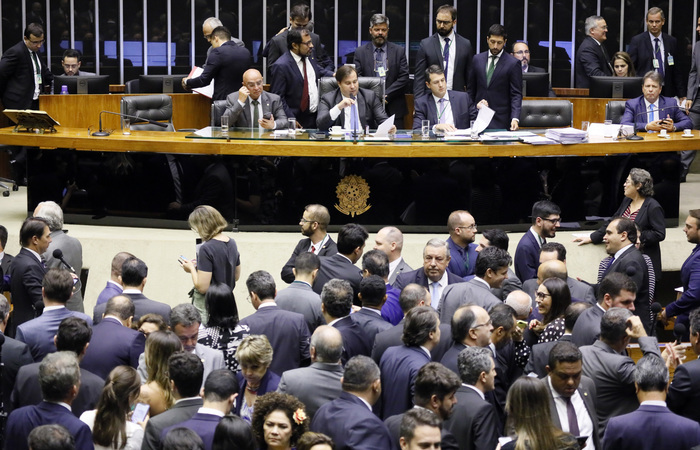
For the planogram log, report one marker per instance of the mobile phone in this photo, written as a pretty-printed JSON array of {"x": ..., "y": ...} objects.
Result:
[
  {"x": 522, "y": 324},
  {"x": 267, "y": 116},
  {"x": 140, "y": 412},
  {"x": 581, "y": 440}
]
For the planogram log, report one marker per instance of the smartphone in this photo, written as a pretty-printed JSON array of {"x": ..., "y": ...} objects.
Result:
[
  {"x": 267, "y": 116},
  {"x": 522, "y": 324},
  {"x": 581, "y": 440},
  {"x": 140, "y": 412}
]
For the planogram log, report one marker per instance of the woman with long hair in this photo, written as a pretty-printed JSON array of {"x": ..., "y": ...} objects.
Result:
[
  {"x": 553, "y": 297},
  {"x": 109, "y": 423},
  {"x": 156, "y": 392},
  {"x": 622, "y": 65}
]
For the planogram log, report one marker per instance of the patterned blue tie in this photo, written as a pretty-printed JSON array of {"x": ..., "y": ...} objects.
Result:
[
  {"x": 353, "y": 116},
  {"x": 446, "y": 55},
  {"x": 657, "y": 56}
]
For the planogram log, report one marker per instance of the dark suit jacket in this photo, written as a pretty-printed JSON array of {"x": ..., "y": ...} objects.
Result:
[
  {"x": 268, "y": 383},
  {"x": 38, "y": 333},
  {"x": 418, "y": 276},
  {"x": 473, "y": 291},
  {"x": 277, "y": 46},
  {"x": 15, "y": 355},
  {"x": 351, "y": 425},
  {"x": 329, "y": 248},
  {"x": 112, "y": 345},
  {"x": 22, "y": 421},
  {"x": 463, "y": 110},
  {"x": 401, "y": 268},
  {"x": 288, "y": 83},
  {"x": 225, "y": 65},
  {"x": 587, "y": 328},
  {"x": 690, "y": 279},
  {"x": 684, "y": 393},
  {"x": 474, "y": 422},
  {"x": 539, "y": 356},
  {"x": 586, "y": 389},
  {"x": 393, "y": 424},
  {"x": 396, "y": 79},
  {"x": 240, "y": 117},
  {"x": 649, "y": 428},
  {"x": 202, "y": 424},
  {"x": 693, "y": 76},
  {"x": 369, "y": 108},
  {"x": 635, "y": 108},
  {"x": 527, "y": 257},
  {"x": 5, "y": 265},
  {"x": 108, "y": 292},
  {"x": 180, "y": 412},
  {"x": 632, "y": 263},
  {"x": 430, "y": 53},
  {"x": 355, "y": 341},
  {"x": 315, "y": 385},
  {"x": 642, "y": 52},
  {"x": 28, "y": 392},
  {"x": 288, "y": 335},
  {"x": 399, "y": 366},
  {"x": 25, "y": 286},
  {"x": 590, "y": 62},
  {"x": 392, "y": 338},
  {"x": 142, "y": 306},
  {"x": 504, "y": 93},
  {"x": 449, "y": 359},
  {"x": 650, "y": 219},
  {"x": 338, "y": 266},
  {"x": 370, "y": 322},
  {"x": 17, "y": 77}
]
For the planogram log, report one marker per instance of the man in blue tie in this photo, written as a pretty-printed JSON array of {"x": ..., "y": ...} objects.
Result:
[{"x": 662, "y": 113}]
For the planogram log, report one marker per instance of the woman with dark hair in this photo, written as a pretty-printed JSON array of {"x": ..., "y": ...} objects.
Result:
[
  {"x": 622, "y": 65},
  {"x": 552, "y": 298},
  {"x": 148, "y": 323},
  {"x": 647, "y": 213},
  {"x": 279, "y": 421},
  {"x": 223, "y": 331},
  {"x": 182, "y": 438},
  {"x": 255, "y": 379},
  {"x": 234, "y": 433},
  {"x": 156, "y": 392},
  {"x": 109, "y": 424},
  {"x": 315, "y": 441},
  {"x": 529, "y": 415}
]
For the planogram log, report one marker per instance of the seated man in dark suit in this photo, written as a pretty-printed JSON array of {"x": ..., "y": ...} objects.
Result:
[
  {"x": 57, "y": 288},
  {"x": 474, "y": 422},
  {"x": 420, "y": 428},
  {"x": 351, "y": 244},
  {"x": 435, "y": 389},
  {"x": 336, "y": 305},
  {"x": 568, "y": 390},
  {"x": 73, "y": 335},
  {"x": 376, "y": 262},
  {"x": 59, "y": 379},
  {"x": 220, "y": 392},
  {"x": 15, "y": 355},
  {"x": 350, "y": 106},
  {"x": 652, "y": 111},
  {"x": 113, "y": 342},
  {"x": 287, "y": 331},
  {"x": 252, "y": 107},
  {"x": 314, "y": 222},
  {"x": 185, "y": 371},
  {"x": 373, "y": 296},
  {"x": 446, "y": 110},
  {"x": 134, "y": 277},
  {"x": 652, "y": 425},
  {"x": 684, "y": 392},
  {"x": 349, "y": 418}
]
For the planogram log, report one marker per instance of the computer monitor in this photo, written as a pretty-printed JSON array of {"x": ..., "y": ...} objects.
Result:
[
  {"x": 615, "y": 87},
  {"x": 536, "y": 84},
  {"x": 161, "y": 84},
  {"x": 98, "y": 84}
]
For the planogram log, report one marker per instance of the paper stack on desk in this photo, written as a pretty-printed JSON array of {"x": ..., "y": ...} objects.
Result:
[{"x": 567, "y": 135}]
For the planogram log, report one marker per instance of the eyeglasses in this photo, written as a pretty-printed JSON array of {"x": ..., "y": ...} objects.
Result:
[
  {"x": 307, "y": 43},
  {"x": 470, "y": 227},
  {"x": 523, "y": 52},
  {"x": 557, "y": 220},
  {"x": 542, "y": 295},
  {"x": 443, "y": 22},
  {"x": 302, "y": 220},
  {"x": 482, "y": 325},
  {"x": 207, "y": 36}
]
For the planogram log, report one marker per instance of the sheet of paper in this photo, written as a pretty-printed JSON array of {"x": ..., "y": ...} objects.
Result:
[
  {"x": 483, "y": 119},
  {"x": 204, "y": 132},
  {"x": 207, "y": 91},
  {"x": 384, "y": 127}
]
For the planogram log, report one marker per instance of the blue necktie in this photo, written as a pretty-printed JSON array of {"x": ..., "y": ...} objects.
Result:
[
  {"x": 378, "y": 61},
  {"x": 434, "y": 297},
  {"x": 446, "y": 55},
  {"x": 657, "y": 56},
  {"x": 353, "y": 116},
  {"x": 651, "y": 113}
]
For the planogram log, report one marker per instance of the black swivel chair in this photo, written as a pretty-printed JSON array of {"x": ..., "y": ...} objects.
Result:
[
  {"x": 546, "y": 114},
  {"x": 157, "y": 107},
  {"x": 329, "y": 84},
  {"x": 614, "y": 110},
  {"x": 218, "y": 108}
]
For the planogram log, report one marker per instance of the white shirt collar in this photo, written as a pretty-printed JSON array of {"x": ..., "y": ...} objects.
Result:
[
  {"x": 210, "y": 411},
  {"x": 394, "y": 264},
  {"x": 653, "y": 403},
  {"x": 187, "y": 398},
  {"x": 481, "y": 394},
  {"x": 376, "y": 311},
  {"x": 538, "y": 238},
  {"x": 53, "y": 308},
  {"x": 451, "y": 36},
  {"x": 364, "y": 401},
  {"x": 38, "y": 256},
  {"x": 482, "y": 281},
  {"x": 266, "y": 304},
  {"x": 426, "y": 351},
  {"x": 116, "y": 284},
  {"x": 622, "y": 250},
  {"x": 131, "y": 291}
]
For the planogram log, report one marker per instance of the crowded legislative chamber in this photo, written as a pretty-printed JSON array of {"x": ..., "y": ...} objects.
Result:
[{"x": 322, "y": 224}]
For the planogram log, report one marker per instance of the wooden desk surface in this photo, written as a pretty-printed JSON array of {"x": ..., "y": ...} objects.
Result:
[{"x": 165, "y": 142}]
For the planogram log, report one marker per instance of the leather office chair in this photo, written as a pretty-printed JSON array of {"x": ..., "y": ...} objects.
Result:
[
  {"x": 329, "y": 84},
  {"x": 218, "y": 108},
  {"x": 614, "y": 110},
  {"x": 546, "y": 114},
  {"x": 157, "y": 107},
  {"x": 131, "y": 87}
]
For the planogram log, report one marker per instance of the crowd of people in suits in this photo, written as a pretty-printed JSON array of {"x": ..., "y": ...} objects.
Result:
[{"x": 382, "y": 356}]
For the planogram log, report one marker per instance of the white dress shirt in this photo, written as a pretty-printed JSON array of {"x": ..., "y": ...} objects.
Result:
[
  {"x": 585, "y": 425},
  {"x": 311, "y": 77},
  {"x": 452, "y": 61}
]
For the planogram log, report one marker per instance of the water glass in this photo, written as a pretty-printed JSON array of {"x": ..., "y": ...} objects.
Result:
[
  {"x": 224, "y": 124},
  {"x": 126, "y": 126},
  {"x": 425, "y": 129},
  {"x": 292, "y": 126}
]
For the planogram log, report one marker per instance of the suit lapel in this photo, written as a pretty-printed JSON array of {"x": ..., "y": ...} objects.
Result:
[
  {"x": 361, "y": 107},
  {"x": 438, "y": 52}
]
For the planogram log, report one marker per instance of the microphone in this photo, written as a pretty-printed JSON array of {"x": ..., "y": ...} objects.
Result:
[
  {"x": 58, "y": 254},
  {"x": 655, "y": 308},
  {"x": 679, "y": 331},
  {"x": 102, "y": 133},
  {"x": 635, "y": 136}
]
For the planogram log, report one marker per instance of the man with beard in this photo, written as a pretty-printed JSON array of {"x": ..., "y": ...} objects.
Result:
[
  {"x": 384, "y": 59},
  {"x": 452, "y": 52},
  {"x": 462, "y": 228},
  {"x": 546, "y": 218},
  {"x": 313, "y": 224},
  {"x": 435, "y": 390}
]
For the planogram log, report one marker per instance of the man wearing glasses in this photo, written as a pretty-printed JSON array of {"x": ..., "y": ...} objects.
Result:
[
  {"x": 462, "y": 228},
  {"x": 22, "y": 75},
  {"x": 71, "y": 62},
  {"x": 546, "y": 218},
  {"x": 592, "y": 59},
  {"x": 313, "y": 225}
]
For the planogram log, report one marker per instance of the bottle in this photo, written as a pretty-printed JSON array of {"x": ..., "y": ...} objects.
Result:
[{"x": 64, "y": 89}]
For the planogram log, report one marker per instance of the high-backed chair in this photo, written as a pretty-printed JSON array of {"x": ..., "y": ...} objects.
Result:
[
  {"x": 614, "y": 110},
  {"x": 329, "y": 84},
  {"x": 218, "y": 108},
  {"x": 131, "y": 87},
  {"x": 546, "y": 114},
  {"x": 157, "y": 107}
]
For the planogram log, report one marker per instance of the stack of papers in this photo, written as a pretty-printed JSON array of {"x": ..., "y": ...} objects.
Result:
[
  {"x": 567, "y": 135},
  {"x": 538, "y": 140}
]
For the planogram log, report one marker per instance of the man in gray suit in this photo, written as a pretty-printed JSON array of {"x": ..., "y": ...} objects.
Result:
[
  {"x": 390, "y": 241},
  {"x": 186, "y": 374},
  {"x": 612, "y": 370},
  {"x": 320, "y": 382},
  {"x": 252, "y": 107},
  {"x": 569, "y": 389},
  {"x": 70, "y": 246},
  {"x": 616, "y": 290},
  {"x": 299, "y": 297},
  {"x": 490, "y": 271}
]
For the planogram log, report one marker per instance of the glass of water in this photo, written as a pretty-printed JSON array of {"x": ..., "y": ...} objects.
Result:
[
  {"x": 472, "y": 128},
  {"x": 425, "y": 129},
  {"x": 224, "y": 124},
  {"x": 292, "y": 126},
  {"x": 126, "y": 126}
]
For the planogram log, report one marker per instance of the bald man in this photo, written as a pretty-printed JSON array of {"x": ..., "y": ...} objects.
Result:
[
  {"x": 252, "y": 107},
  {"x": 390, "y": 241}
]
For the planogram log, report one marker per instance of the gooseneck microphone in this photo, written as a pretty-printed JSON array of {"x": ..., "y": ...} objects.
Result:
[
  {"x": 58, "y": 254},
  {"x": 102, "y": 133}
]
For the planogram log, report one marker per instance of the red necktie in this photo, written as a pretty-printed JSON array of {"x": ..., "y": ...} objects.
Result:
[
  {"x": 305, "y": 92},
  {"x": 313, "y": 249}
]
